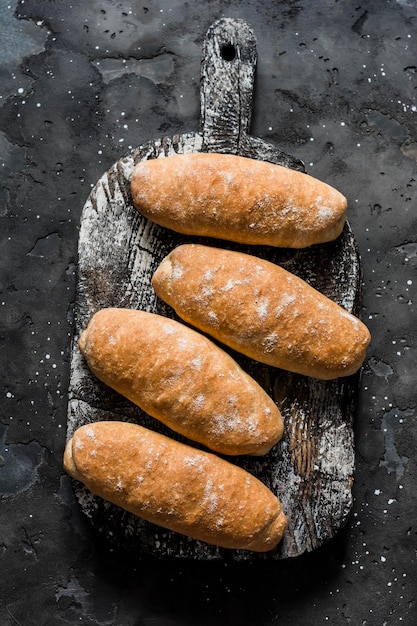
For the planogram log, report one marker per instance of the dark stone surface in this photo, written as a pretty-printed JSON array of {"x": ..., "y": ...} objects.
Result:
[{"x": 80, "y": 84}]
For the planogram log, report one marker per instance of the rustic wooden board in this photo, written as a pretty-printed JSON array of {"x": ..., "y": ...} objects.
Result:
[{"x": 311, "y": 469}]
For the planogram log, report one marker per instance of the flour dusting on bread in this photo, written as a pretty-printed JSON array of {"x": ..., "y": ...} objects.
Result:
[
  {"x": 261, "y": 310},
  {"x": 238, "y": 199},
  {"x": 175, "y": 486},
  {"x": 182, "y": 379}
]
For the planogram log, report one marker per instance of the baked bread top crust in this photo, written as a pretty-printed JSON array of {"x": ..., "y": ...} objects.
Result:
[
  {"x": 261, "y": 310},
  {"x": 173, "y": 485},
  {"x": 182, "y": 379},
  {"x": 238, "y": 199}
]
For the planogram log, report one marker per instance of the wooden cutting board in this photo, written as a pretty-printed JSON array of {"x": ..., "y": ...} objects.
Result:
[{"x": 311, "y": 469}]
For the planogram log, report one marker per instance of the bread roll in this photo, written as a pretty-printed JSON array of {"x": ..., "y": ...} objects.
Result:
[
  {"x": 182, "y": 379},
  {"x": 261, "y": 310},
  {"x": 175, "y": 486},
  {"x": 238, "y": 199}
]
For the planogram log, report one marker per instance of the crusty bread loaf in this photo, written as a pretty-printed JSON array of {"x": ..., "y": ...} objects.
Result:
[
  {"x": 175, "y": 486},
  {"x": 261, "y": 310},
  {"x": 238, "y": 199},
  {"x": 182, "y": 379}
]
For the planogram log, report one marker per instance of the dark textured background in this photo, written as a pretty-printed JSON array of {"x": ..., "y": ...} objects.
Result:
[{"x": 80, "y": 84}]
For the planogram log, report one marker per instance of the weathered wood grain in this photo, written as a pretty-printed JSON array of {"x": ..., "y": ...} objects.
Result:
[{"x": 311, "y": 469}]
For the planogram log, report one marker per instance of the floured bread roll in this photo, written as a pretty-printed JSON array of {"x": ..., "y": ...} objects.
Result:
[
  {"x": 238, "y": 199},
  {"x": 183, "y": 379},
  {"x": 261, "y": 310},
  {"x": 175, "y": 486}
]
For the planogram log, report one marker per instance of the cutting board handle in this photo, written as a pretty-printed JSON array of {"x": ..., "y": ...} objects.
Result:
[{"x": 227, "y": 81}]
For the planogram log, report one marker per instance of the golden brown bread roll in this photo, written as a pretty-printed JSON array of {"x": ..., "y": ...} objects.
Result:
[
  {"x": 175, "y": 486},
  {"x": 238, "y": 199},
  {"x": 182, "y": 379},
  {"x": 261, "y": 310}
]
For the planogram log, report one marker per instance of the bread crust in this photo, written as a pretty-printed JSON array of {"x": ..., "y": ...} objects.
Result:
[
  {"x": 175, "y": 486},
  {"x": 238, "y": 199},
  {"x": 261, "y": 310},
  {"x": 183, "y": 379}
]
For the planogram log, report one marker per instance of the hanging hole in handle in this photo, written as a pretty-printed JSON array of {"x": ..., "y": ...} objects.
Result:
[{"x": 228, "y": 51}]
